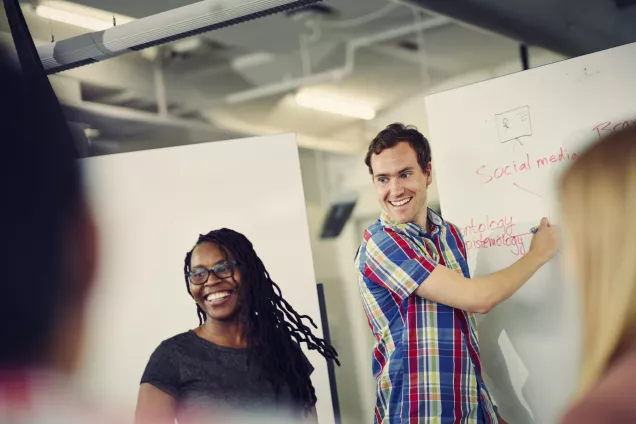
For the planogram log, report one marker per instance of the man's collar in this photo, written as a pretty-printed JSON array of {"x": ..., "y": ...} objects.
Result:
[
  {"x": 435, "y": 218},
  {"x": 411, "y": 227}
]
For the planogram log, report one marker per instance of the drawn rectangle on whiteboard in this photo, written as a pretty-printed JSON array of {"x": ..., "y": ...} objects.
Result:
[{"x": 514, "y": 124}]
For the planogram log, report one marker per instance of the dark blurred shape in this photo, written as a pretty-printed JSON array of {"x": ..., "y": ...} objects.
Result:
[
  {"x": 339, "y": 213},
  {"x": 324, "y": 323},
  {"x": 540, "y": 23},
  {"x": 523, "y": 52},
  {"x": 623, "y": 4},
  {"x": 33, "y": 71},
  {"x": 41, "y": 189}
]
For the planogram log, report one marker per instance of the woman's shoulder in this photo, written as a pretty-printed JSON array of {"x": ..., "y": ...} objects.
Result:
[
  {"x": 166, "y": 359},
  {"x": 174, "y": 345},
  {"x": 187, "y": 337},
  {"x": 176, "y": 340},
  {"x": 612, "y": 400},
  {"x": 600, "y": 412}
]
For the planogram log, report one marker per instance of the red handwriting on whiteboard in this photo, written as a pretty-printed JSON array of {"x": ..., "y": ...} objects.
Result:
[
  {"x": 477, "y": 235},
  {"x": 527, "y": 165},
  {"x": 608, "y": 127}
]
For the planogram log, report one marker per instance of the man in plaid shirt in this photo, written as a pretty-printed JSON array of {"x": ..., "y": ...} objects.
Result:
[{"x": 418, "y": 295}]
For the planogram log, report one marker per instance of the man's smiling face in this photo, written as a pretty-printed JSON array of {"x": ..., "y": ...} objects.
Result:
[{"x": 401, "y": 184}]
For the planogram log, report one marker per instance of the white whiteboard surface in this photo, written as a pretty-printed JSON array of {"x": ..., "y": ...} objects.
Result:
[
  {"x": 481, "y": 137},
  {"x": 151, "y": 207}
]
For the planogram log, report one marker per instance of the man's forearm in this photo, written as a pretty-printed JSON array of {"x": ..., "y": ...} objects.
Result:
[
  {"x": 478, "y": 294},
  {"x": 500, "y": 285}
]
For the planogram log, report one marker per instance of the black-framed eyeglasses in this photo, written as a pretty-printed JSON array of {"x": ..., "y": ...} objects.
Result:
[{"x": 222, "y": 270}]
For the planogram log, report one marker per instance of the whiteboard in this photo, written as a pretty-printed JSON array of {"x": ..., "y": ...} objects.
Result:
[
  {"x": 499, "y": 147},
  {"x": 151, "y": 207}
]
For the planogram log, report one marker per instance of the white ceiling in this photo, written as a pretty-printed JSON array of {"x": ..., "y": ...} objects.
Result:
[{"x": 119, "y": 98}]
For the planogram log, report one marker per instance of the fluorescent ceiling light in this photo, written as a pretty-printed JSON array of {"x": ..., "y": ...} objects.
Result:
[
  {"x": 334, "y": 104},
  {"x": 250, "y": 60},
  {"x": 79, "y": 15},
  {"x": 187, "y": 44}
]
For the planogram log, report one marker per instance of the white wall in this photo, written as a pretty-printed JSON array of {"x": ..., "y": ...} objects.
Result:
[
  {"x": 151, "y": 207},
  {"x": 333, "y": 260}
]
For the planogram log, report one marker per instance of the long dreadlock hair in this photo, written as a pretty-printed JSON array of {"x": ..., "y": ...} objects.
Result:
[{"x": 274, "y": 330}]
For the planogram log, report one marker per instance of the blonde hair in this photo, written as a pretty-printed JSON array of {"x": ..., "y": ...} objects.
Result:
[{"x": 599, "y": 215}]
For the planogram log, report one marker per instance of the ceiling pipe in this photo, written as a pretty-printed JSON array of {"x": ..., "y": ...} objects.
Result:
[
  {"x": 229, "y": 122},
  {"x": 73, "y": 108},
  {"x": 220, "y": 122},
  {"x": 339, "y": 73},
  {"x": 160, "y": 84},
  {"x": 172, "y": 25}
]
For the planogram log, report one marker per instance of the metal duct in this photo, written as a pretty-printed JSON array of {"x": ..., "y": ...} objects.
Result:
[{"x": 172, "y": 25}]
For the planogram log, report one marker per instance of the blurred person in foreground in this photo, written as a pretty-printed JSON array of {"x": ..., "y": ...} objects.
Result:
[
  {"x": 49, "y": 259},
  {"x": 599, "y": 214},
  {"x": 48, "y": 255}
]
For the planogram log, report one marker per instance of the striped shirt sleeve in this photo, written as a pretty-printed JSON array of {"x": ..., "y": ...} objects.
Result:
[{"x": 393, "y": 263}]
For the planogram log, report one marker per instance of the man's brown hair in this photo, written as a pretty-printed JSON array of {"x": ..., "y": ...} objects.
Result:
[{"x": 398, "y": 133}]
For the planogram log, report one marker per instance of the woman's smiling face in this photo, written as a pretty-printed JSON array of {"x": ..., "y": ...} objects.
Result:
[{"x": 218, "y": 294}]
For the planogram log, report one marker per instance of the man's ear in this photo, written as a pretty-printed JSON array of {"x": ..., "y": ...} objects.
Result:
[{"x": 429, "y": 174}]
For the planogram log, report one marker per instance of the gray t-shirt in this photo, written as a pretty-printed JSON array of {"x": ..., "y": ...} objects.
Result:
[{"x": 203, "y": 376}]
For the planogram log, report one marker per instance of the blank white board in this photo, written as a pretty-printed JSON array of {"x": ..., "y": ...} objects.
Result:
[
  {"x": 151, "y": 207},
  {"x": 499, "y": 147}
]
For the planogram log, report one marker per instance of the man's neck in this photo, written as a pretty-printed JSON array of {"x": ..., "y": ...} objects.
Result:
[{"x": 422, "y": 219}]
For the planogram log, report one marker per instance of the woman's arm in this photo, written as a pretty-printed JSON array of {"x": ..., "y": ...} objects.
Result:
[{"x": 155, "y": 406}]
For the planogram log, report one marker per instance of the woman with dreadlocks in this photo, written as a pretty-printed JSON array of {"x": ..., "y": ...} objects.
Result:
[{"x": 244, "y": 355}]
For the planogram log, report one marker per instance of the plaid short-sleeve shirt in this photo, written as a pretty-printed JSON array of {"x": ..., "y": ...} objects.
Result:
[{"x": 426, "y": 355}]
